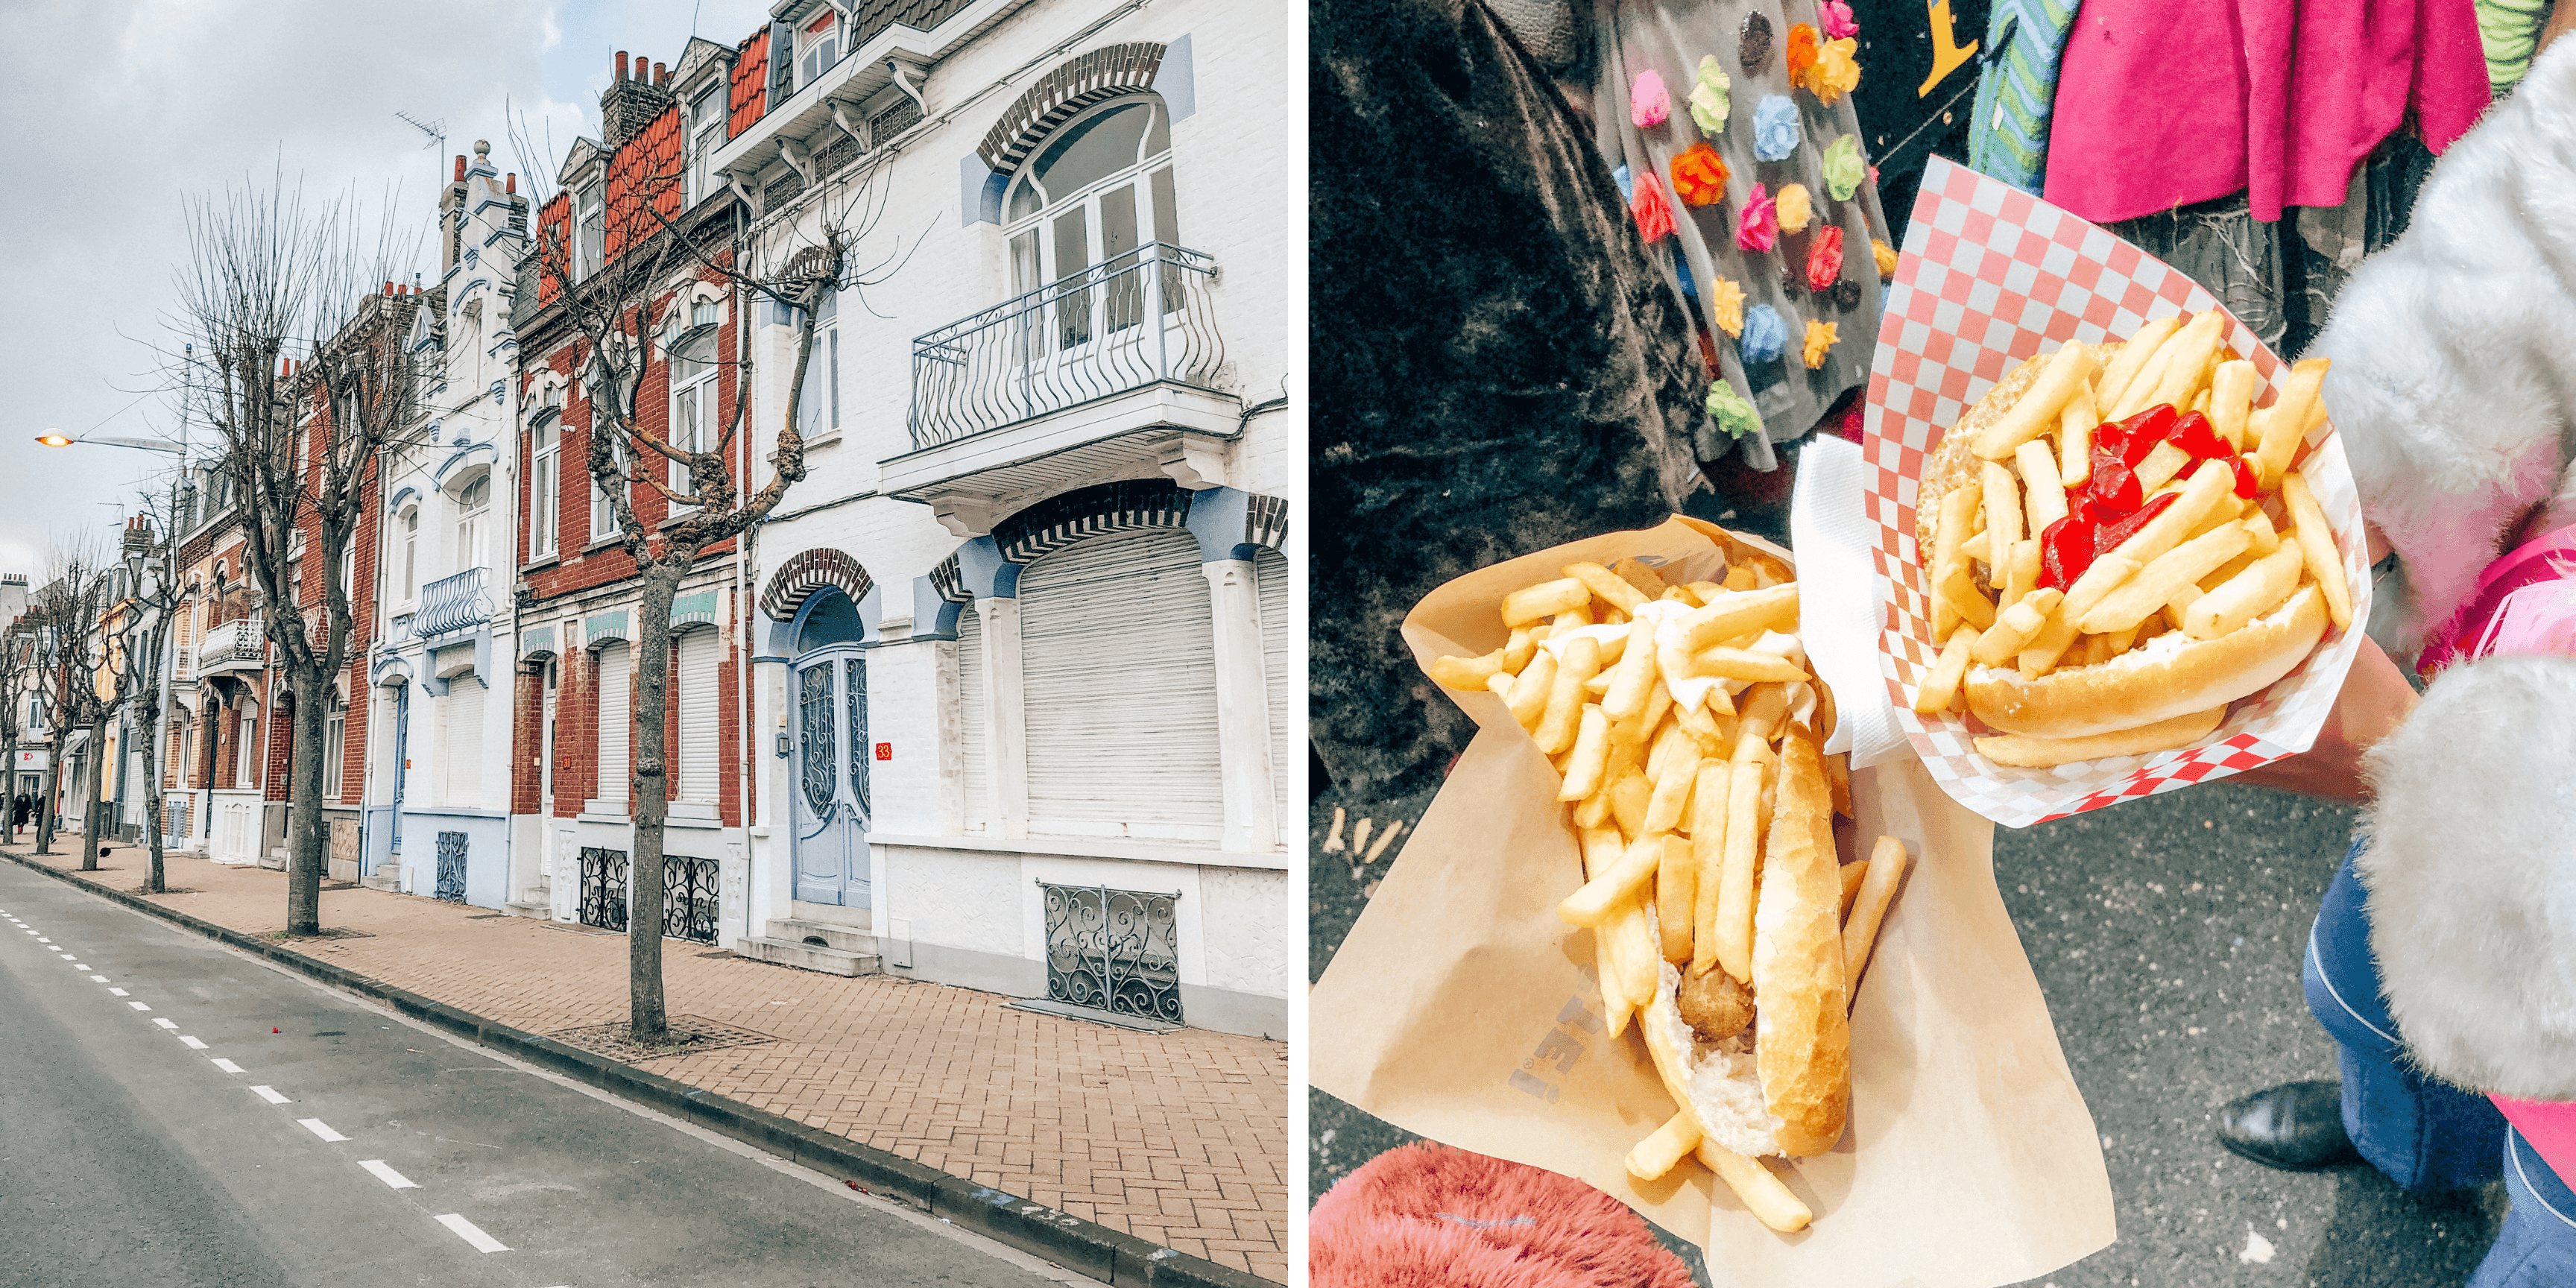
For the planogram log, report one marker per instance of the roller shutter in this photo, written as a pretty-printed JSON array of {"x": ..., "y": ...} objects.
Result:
[
  {"x": 1287, "y": 707},
  {"x": 616, "y": 726},
  {"x": 974, "y": 725},
  {"x": 460, "y": 742},
  {"x": 700, "y": 656},
  {"x": 1118, "y": 657}
]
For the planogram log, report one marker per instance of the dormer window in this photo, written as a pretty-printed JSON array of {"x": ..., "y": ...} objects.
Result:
[
  {"x": 594, "y": 229},
  {"x": 817, "y": 48},
  {"x": 706, "y": 134}
]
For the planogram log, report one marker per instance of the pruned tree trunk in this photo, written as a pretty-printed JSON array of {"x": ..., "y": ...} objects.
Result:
[
  {"x": 148, "y": 719},
  {"x": 9, "y": 792},
  {"x": 89, "y": 793},
  {"x": 304, "y": 801},
  {"x": 53, "y": 794},
  {"x": 648, "y": 1020}
]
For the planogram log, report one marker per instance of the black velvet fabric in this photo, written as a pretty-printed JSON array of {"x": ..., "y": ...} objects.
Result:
[{"x": 1497, "y": 367}]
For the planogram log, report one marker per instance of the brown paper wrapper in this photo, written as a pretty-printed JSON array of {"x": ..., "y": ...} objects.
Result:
[{"x": 1461, "y": 1009}]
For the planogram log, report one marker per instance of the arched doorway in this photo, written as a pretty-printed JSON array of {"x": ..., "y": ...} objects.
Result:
[{"x": 828, "y": 688}]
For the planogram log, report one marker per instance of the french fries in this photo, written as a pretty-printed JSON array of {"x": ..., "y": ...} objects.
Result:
[
  {"x": 2068, "y": 538},
  {"x": 1684, "y": 721}
]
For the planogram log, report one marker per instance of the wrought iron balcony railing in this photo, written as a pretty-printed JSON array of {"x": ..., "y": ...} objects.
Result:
[
  {"x": 237, "y": 643},
  {"x": 452, "y": 604},
  {"x": 1135, "y": 320}
]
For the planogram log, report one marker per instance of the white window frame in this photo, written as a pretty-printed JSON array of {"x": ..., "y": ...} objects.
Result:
[
  {"x": 335, "y": 736},
  {"x": 410, "y": 521},
  {"x": 472, "y": 518},
  {"x": 246, "y": 748},
  {"x": 706, "y": 136},
  {"x": 820, "y": 51},
  {"x": 545, "y": 486},
  {"x": 699, "y": 392},
  {"x": 590, "y": 228},
  {"x": 603, "y": 520}
]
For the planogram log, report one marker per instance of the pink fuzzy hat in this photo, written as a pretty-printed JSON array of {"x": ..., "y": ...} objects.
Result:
[{"x": 1427, "y": 1216}]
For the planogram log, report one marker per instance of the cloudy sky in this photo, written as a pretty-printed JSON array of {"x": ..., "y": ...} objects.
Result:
[{"x": 117, "y": 109}]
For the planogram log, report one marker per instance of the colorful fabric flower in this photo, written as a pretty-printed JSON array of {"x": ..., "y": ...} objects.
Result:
[
  {"x": 1886, "y": 257},
  {"x": 1801, "y": 53},
  {"x": 1725, "y": 301},
  {"x": 1758, "y": 229},
  {"x": 1775, "y": 128},
  {"x": 1837, "y": 18},
  {"x": 1843, "y": 168},
  {"x": 1708, "y": 101},
  {"x": 1796, "y": 208},
  {"x": 1649, "y": 103},
  {"x": 1731, "y": 412},
  {"x": 1753, "y": 41},
  {"x": 1654, "y": 213},
  {"x": 1699, "y": 175},
  {"x": 1825, "y": 260},
  {"x": 1820, "y": 341},
  {"x": 1836, "y": 73},
  {"x": 1765, "y": 335}
]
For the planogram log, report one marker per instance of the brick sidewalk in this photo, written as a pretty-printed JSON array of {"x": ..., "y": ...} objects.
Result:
[{"x": 1180, "y": 1139}]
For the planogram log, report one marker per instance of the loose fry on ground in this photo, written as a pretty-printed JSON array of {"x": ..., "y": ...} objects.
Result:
[
  {"x": 1583, "y": 773},
  {"x": 2247, "y": 595},
  {"x": 2075, "y": 440},
  {"x": 1853, "y": 873},
  {"x": 1676, "y": 891},
  {"x": 2173, "y": 572},
  {"x": 2068, "y": 370},
  {"x": 1941, "y": 685},
  {"x": 1608, "y": 586},
  {"x": 1668, "y": 1146},
  {"x": 2285, "y": 422},
  {"x": 1708, "y": 853},
  {"x": 1546, "y": 599},
  {"x": 1762, "y": 1193},
  {"x": 2017, "y": 626},
  {"x": 1466, "y": 672},
  {"x": 2231, "y": 400},
  {"x": 2316, "y": 540},
  {"x": 1605, "y": 894},
  {"x": 1741, "y": 613},
  {"x": 1556, "y": 727},
  {"x": 2025, "y": 751},
  {"x": 2133, "y": 358},
  {"x": 2046, "y": 503},
  {"x": 1733, "y": 933},
  {"x": 1887, "y": 865}
]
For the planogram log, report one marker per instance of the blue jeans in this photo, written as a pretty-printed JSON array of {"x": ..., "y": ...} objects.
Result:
[{"x": 2428, "y": 1136}]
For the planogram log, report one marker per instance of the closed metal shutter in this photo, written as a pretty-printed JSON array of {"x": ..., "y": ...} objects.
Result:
[
  {"x": 699, "y": 657},
  {"x": 460, "y": 741},
  {"x": 1119, "y": 659},
  {"x": 616, "y": 726},
  {"x": 974, "y": 729},
  {"x": 1287, "y": 707}
]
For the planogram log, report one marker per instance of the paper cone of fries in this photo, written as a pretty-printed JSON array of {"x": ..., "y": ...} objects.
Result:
[
  {"x": 1462, "y": 1008},
  {"x": 1991, "y": 276}
]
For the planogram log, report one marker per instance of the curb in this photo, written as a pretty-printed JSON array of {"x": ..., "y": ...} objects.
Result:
[{"x": 1084, "y": 1246}]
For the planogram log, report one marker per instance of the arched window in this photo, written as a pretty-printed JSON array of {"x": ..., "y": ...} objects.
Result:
[
  {"x": 473, "y": 505},
  {"x": 246, "y": 747},
  {"x": 411, "y": 552},
  {"x": 544, "y": 481},
  {"x": 693, "y": 391},
  {"x": 1096, "y": 192}
]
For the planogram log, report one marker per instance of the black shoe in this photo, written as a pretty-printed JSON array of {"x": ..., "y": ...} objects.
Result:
[{"x": 2297, "y": 1127}]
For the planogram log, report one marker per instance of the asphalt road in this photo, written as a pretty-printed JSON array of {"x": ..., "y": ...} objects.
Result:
[
  {"x": 175, "y": 1113},
  {"x": 2166, "y": 934}
]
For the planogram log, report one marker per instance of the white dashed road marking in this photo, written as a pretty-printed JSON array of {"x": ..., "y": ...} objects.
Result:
[
  {"x": 193, "y": 1044},
  {"x": 391, "y": 1177},
  {"x": 270, "y": 1095},
  {"x": 138, "y": 1006},
  {"x": 466, "y": 1230},
  {"x": 227, "y": 1065},
  {"x": 321, "y": 1129},
  {"x": 117, "y": 992},
  {"x": 98, "y": 979},
  {"x": 166, "y": 1024}
]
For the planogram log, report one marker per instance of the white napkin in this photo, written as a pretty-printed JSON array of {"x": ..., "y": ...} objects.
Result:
[{"x": 1838, "y": 598}]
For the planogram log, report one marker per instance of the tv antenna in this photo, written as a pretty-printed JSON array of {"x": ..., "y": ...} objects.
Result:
[{"x": 436, "y": 132}]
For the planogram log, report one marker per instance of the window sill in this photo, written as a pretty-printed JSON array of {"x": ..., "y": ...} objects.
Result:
[
  {"x": 831, "y": 439},
  {"x": 602, "y": 543},
  {"x": 542, "y": 562}
]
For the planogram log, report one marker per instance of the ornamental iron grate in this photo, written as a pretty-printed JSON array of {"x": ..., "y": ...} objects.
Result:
[
  {"x": 603, "y": 888},
  {"x": 451, "y": 866},
  {"x": 855, "y": 686},
  {"x": 1114, "y": 950},
  {"x": 814, "y": 705},
  {"x": 689, "y": 899}
]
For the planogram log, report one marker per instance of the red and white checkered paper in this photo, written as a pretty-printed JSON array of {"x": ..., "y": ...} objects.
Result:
[{"x": 1989, "y": 276}]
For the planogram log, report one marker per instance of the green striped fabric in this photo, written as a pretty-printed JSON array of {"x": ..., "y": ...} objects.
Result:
[
  {"x": 2510, "y": 32},
  {"x": 2008, "y": 131}
]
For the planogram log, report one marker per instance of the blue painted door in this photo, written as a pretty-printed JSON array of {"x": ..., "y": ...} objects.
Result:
[{"x": 831, "y": 788}]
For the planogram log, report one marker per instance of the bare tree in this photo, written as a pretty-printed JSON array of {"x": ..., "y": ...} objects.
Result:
[
  {"x": 72, "y": 612},
  {"x": 153, "y": 601},
  {"x": 301, "y": 366},
  {"x": 17, "y": 649},
  {"x": 621, "y": 310}
]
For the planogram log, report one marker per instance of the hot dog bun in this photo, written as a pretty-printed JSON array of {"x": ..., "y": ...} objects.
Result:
[
  {"x": 1785, "y": 1086},
  {"x": 2172, "y": 675}
]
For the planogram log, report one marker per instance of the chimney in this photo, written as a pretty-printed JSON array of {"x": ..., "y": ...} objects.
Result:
[
  {"x": 460, "y": 167},
  {"x": 621, "y": 68},
  {"x": 510, "y": 183},
  {"x": 389, "y": 286},
  {"x": 630, "y": 103},
  {"x": 661, "y": 76}
]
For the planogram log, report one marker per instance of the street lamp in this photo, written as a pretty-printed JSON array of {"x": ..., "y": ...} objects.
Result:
[{"x": 57, "y": 439}]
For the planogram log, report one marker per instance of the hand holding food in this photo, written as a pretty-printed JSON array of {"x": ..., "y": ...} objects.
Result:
[{"x": 2107, "y": 585}]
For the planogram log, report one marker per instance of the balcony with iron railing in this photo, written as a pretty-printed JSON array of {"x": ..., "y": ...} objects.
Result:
[
  {"x": 1113, "y": 364},
  {"x": 452, "y": 604},
  {"x": 237, "y": 645}
]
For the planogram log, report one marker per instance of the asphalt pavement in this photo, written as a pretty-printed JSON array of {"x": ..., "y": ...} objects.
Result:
[
  {"x": 2166, "y": 934},
  {"x": 173, "y": 1112}
]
